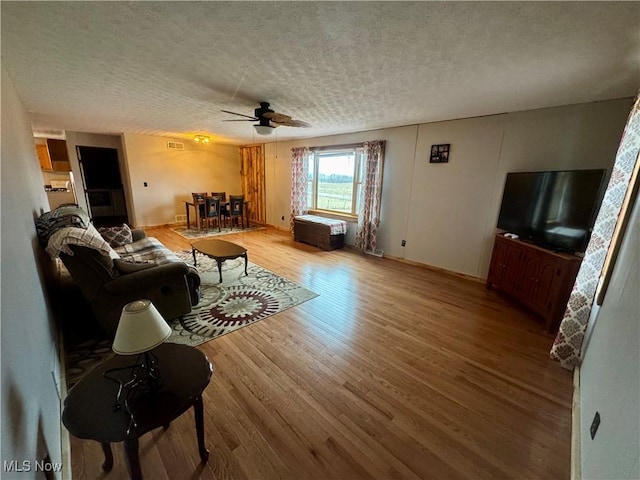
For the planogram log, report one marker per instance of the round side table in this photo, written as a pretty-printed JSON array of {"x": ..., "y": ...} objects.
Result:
[{"x": 91, "y": 410}]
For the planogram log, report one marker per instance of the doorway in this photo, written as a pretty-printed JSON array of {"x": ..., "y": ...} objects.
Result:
[{"x": 103, "y": 188}]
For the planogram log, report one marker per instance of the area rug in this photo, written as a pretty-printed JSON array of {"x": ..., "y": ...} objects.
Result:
[
  {"x": 224, "y": 307},
  {"x": 194, "y": 233},
  {"x": 236, "y": 302}
]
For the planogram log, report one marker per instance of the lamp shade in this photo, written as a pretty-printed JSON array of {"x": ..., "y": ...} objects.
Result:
[
  {"x": 264, "y": 129},
  {"x": 141, "y": 328}
]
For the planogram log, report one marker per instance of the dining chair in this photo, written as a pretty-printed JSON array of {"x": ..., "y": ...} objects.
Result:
[
  {"x": 199, "y": 203},
  {"x": 224, "y": 210},
  {"x": 212, "y": 205},
  {"x": 236, "y": 209}
]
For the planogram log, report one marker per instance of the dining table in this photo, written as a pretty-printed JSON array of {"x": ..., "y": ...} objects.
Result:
[{"x": 188, "y": 204}]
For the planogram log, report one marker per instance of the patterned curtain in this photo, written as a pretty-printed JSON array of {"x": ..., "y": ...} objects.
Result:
[
  {"x": 370, "y": 196},
  {"x": 568, "y": 343},
  {"x": 252, "y": 177},
  {"x": 299, "y": 173}
]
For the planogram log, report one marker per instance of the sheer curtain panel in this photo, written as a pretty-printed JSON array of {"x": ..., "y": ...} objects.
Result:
[
  {"x": 568, "y": 343},
  {"x": 370, "y": 196},
  {"x": 299, "y": 174}
]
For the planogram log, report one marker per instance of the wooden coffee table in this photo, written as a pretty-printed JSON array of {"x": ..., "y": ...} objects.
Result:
[{"x": 219, "y": 250}]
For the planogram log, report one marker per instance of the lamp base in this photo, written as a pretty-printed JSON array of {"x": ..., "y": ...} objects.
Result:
[{"x": 144, "y": 378}]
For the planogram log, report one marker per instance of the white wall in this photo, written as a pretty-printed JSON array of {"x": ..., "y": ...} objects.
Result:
[
  {"x": 172, "y": 175},
  {"x": 30, "y": 404},
  {"x": 610, "y": 372},
  {"x": 450, "y": 203},
  {"x": 447, "y": 212}
]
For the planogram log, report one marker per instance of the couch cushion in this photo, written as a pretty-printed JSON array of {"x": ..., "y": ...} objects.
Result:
[
  {"x": 117, "y": 236},
  {"x": 147, "y": 250},
  {"x": 124, "y": 266}
]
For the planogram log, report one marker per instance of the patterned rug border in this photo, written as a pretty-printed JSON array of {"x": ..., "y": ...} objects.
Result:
[
  {"x": 193, "y": 233},
  {"x": 241, "y": 300}
]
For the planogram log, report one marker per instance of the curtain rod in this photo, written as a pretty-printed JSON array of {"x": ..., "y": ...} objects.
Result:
[{"x": 337, "y": 147}]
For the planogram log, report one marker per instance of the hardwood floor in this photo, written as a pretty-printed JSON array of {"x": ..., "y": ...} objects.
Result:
[{"x": 393, "y": 371}]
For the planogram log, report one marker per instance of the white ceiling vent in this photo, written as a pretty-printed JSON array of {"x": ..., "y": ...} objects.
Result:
[{"x": 175, "y": 146}]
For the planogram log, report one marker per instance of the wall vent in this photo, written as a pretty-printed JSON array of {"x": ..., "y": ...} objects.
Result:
[
  {"x": 181, "y": 218},
  {"x": 175, "y": 146}
]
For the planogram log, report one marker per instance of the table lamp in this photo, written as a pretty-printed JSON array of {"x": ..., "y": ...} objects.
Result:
[{"x": 141, "y": 329}]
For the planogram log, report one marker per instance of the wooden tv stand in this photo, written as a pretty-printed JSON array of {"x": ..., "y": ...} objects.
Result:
[{"x": 538, "y": 278}]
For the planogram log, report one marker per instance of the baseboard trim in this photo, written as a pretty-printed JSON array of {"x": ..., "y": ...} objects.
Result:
[
  {"x": 278, "y": 227},
  {"x": 576, "y": 446},
  {"x": 436, "y": 269}
]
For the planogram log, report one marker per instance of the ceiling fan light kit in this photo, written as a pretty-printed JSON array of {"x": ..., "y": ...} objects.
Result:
[
  {"x": 268, "y": 119},
  {"x": 203, "y": 139},
  {"x": 264, "y": 129}
]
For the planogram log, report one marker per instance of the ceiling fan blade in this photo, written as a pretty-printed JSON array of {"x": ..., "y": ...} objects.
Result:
[
  {"x": 293, "y": 123},
  {"x": 241, "y": 120},
  {"x": 277, "y": 117},
  {"x": 239, "y": 114}
]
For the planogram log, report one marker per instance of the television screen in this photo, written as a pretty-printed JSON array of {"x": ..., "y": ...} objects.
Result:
[{"x": 554, "y": 209}]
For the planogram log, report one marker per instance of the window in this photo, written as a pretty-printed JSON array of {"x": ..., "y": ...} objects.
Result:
[{"x": 334, "y": 180}]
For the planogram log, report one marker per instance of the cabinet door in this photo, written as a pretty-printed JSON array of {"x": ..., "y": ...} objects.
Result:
[
  {"x": 59, "y": 156},
  {"x": 549, "y": 279},
  {"x": 513, "y": 270},
  {"x": 43, "y": 157},
  {"x": 530, "y": 277},
  {"x": 498, "y": 265}
]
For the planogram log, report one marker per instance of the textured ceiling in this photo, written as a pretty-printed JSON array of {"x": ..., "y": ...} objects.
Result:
[{"x": 168, "y": 68}]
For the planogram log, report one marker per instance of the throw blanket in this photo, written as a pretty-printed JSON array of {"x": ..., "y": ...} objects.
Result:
[
  {"x": 65, "y": 216},
  {"x": 336, "y": 227},
  {"x": 60, "y": 240}
]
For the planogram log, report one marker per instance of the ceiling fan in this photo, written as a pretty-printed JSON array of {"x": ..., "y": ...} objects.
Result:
[{"x": 267, "y": 119}]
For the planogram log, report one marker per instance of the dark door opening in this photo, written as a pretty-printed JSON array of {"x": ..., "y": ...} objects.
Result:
[{"x": 103, "y": 185}]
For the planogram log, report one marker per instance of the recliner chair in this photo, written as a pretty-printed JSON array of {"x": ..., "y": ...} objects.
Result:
[{"x": 108, "y": 283}]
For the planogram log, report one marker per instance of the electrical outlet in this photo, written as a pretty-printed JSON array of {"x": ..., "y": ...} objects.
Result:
[
  {"x": 404, "y": 243},
  {"x": 594, "y": 425}
]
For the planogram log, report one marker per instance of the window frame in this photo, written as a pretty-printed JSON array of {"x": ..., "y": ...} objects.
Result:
[{"x": 315, "y": 155}]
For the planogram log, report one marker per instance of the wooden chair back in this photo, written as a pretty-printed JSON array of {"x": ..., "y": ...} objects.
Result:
[
  {"x": 236, "y": 208},
  {"x": 212, "y": 209},
  {"x": 198, "y": 200}
]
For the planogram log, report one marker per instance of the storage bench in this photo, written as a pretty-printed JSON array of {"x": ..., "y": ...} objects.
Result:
[{"x": 325, "y": 233}]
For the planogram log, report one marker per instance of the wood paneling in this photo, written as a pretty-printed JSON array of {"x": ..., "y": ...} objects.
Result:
[
  {"x": 252, "y": 175},
  {"x": 394, "y": 371}
]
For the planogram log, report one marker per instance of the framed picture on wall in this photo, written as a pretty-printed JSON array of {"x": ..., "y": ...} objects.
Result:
[{"x": 440, "y": 153}]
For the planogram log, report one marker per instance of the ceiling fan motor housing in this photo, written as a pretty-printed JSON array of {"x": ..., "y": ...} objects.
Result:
[{"x": 259, "y": 113}]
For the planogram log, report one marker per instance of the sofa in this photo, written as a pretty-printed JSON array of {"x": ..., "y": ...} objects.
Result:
[{"x": 117, "y": 266}]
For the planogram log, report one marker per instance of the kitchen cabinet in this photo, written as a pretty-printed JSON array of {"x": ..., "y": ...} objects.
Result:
[
  {"x": 538, "y": 278},
  {"x": 43, "y": 157},
  {"x": 53, "y": 156}
]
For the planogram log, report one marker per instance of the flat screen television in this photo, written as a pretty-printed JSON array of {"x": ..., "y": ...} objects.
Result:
[{"x": 553, "y": 209}]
